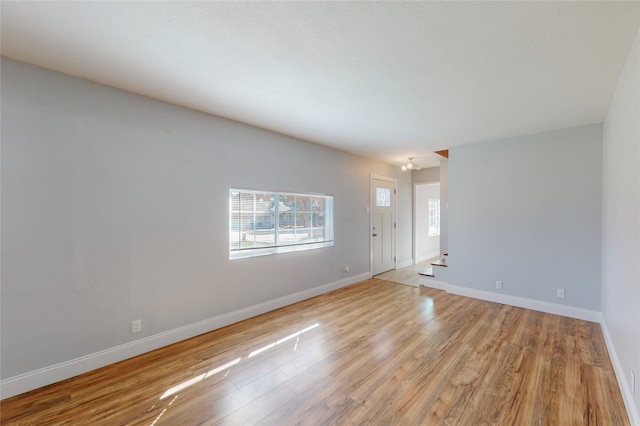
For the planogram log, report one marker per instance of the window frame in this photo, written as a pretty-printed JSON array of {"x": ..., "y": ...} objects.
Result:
[{"x": 279, "y": 244}]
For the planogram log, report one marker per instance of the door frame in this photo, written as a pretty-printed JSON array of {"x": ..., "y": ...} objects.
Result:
[{"x": 395, "y": 217}]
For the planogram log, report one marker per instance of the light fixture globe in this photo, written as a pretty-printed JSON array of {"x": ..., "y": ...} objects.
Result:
[{"x": 409, "y": 165}]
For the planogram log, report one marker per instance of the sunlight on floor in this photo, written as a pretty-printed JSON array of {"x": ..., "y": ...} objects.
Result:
[
  {"x": 196, "y": 379},
  {"x": 230, "y": 364},
  {"x": 159, "y": 416},
  {"x": 428, "y": 307},
  {"x": 279, "y": 342}
]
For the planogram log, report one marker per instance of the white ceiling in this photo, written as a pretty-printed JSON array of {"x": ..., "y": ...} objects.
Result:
[{"x": 387, "y": 80}]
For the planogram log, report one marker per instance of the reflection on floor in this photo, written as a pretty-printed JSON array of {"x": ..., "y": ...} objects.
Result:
[{"x": 408, "y": 275}]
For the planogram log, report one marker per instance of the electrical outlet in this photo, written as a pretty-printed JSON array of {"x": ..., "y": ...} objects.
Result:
[
  {"x": 560, "y": 293},
  {"x": 498, "y": 285},
  {"x": 346, "y": 269},
  {"x": 633, "y": 383},
  {"x": 136, "y": 326}
]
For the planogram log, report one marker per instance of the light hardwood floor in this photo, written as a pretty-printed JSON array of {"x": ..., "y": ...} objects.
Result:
[
  {"x": 408, "y": 275},
  {"x": 374, "y": 353}
]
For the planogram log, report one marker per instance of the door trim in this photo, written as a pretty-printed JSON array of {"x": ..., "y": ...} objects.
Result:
[{"x": 395, "y": 216}]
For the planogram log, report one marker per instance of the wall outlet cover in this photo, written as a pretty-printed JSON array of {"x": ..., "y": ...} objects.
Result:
[{"x": 136, "y": 326}]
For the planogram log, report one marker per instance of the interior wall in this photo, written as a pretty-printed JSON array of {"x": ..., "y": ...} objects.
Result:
[
  {"x": 430, "y": 174},
  {"x": 621, "y": 225},
  {"x": 115, "y": 207},
  {"x": 444, "y": 206},
  {"x": 527, "y": 211},
  {"x": 404, "y": 219}
]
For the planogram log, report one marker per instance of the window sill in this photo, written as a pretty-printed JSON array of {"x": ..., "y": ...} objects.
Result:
[{"x": 242, "y": 254}]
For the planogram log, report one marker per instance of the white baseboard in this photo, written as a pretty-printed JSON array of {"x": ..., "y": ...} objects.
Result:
[
  {"x": 431, "y": 283},
  {"x": 521, "y": 302},
  {"x": 567, "y": 311},
  {"x": 623, "y": 384},
  {"x": 427, "y": 257},
  {"x": 404, "y": 264},
  {"x": 65, "y": 370}
]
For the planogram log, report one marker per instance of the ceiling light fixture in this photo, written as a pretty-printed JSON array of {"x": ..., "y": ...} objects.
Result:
[{"x": 410, "y": 165}]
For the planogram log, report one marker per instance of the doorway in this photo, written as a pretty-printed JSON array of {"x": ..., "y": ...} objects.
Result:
[
  {"x": 383, "y": 224},
  {"x": 427, "y": 221}
]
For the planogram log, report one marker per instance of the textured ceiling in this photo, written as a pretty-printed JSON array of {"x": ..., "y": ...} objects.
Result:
[{"x": 387, "y": 80}]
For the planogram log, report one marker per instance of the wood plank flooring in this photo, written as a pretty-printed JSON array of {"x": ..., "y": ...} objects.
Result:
[
  {"x": 409, "y": 275},
  {"x": 374, "y": 353}
]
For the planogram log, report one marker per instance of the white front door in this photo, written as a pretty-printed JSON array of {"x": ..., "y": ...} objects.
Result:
[{"x": 383, "y": 225}]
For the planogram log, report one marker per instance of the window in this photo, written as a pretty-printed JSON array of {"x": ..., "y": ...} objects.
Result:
[
  {"x": 262, "y": 222},
  {"x": 383, "y": 197},
  {"x": 434, "y": 217}
]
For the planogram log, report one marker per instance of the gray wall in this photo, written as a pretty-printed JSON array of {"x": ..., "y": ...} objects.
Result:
[
  {"x": 621, "y": 223},
  {"x": 114, "y": 207},
  {"x": 431, "y": 174},
  {"x": 527, "y": 211},
  {"x": 444, "y": 206}
]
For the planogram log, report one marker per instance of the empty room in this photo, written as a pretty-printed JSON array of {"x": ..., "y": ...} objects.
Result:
[{"x": 320, "y": 213}]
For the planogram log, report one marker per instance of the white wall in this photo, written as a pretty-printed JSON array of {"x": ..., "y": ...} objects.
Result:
[
  {"x": 114, "y": 207},
  {"x": 427, "y": 246},
  {"x": 527, "y": 211},
  {"x": 404, "y": 231},
  {"x": 621, "y": 227}
]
